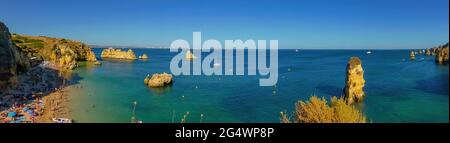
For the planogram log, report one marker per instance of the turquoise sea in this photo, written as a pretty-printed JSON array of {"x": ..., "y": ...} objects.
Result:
[{"x": 398, "y": 89}]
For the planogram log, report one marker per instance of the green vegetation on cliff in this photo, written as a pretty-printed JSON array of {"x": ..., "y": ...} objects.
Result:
[{"x": 63, "y": 52}]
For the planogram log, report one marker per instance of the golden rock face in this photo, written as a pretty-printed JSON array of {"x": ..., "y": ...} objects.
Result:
[
  {"x": 442, "y": 55},
  {"x": 118, "y": 54},
  {"x": 158, "y": 80},
  {"x": 90, "y": 56},
  {"x": 190, "y": 55},
  {"x": 354, "y": 82},
  {"x": 64, "y": 53},
  {"x": 412, "y": 55},
  {"x": 427, "y": 52},
  {"x": 144, "y": 56}
]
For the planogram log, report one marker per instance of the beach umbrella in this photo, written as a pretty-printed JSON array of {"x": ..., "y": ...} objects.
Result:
[{"x": 12, "y": 114}]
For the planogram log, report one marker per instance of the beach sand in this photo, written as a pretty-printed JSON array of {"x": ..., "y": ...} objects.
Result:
[{"x": 39, "y": 96}]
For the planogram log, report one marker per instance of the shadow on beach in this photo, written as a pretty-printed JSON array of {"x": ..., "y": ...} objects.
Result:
[{"x": 33, "y": 86}]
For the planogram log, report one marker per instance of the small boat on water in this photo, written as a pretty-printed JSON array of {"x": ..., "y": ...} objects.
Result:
[
  {"x": 61, "y": 120},
  {"x": 369, "y": 52}
]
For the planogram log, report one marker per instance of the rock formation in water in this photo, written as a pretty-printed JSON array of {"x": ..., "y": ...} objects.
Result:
[
  {"x": 190, "y": 55},
  {"x": 118, "y": 54},
  {"x": 442, "y": 54},
  {"x": 62, "y": 53},
  {"x": 91, "y": 57},
  {"x": 433, "y": 51},
  {"x": 158, "y": 80},
  {"x": 428, "y": 52},
  {"x": 412, "y": 55},
  {"x": 144, "y": 56},
  {"x": 354, "y": 82},
  {"x": 12, "y": 59}
]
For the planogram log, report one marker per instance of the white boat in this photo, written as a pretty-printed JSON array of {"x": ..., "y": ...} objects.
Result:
[
  {"x": 369, "y": 52},
  {"x": 61, "y": 120},
  {"x": 296, "y": 50}
]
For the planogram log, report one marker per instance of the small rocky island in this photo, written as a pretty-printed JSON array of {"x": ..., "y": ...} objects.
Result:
[
  {"x": 143, "y": 57},
  {"x": 118, "y": 54},
  {"x": 158, "y": 80},
  {"x": 354, "y": 82},
  {"x": 412, "y": 55},
  {"x": 190, "y": 56}
]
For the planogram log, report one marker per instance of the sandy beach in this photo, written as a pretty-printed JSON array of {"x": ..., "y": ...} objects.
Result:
[{"x": 39, "y": 96}]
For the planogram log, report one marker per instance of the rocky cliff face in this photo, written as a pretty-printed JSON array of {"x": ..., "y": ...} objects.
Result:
[
  {"x": 441, "y": 55},
  {"x": 158, "y": 80},
  {"x": 63, "y": 53},
  {"x": 91, "y": 56},
  {"x": 12, "y": 59},
  {"x": 118, "y": 54},
  {"x": 354, "y": 82}
]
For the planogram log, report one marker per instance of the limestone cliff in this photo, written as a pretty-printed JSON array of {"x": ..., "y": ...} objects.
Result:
[
  {"x": 91, "y": 56},
  {"x": 354, "y": 82},
  {"x": 118, "y": 54},
  {"x": 12, "y": 59},
  {"x": 158, "y": 80},
  {"x": 63, "y": 53},
  {"x": 442, "y": 54}
]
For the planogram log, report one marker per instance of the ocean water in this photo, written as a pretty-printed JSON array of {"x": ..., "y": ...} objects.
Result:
[{"x": 397, "y": 89}]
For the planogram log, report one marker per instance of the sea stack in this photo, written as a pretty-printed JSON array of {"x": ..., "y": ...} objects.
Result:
[
  {"x": 442, "y": 54},
  {"x": 428, "y": 52},
  {"x": 412, "y": 55},
  {"x": 12, "y": 60},
  {"x": 144, "y": 56},
  {"x": 190, "y": 55},
  {"x": 354, "y": 82},
  {"x": 158, "y": 80},
  {"x": 118, "y": 54}
]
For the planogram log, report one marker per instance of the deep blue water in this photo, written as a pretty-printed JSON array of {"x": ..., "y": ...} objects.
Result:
[{"x": 398, "y": 90}]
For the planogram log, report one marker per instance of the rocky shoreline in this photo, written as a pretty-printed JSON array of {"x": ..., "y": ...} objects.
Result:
[
  {"x": 441, "y": 53},
  {"x": 35, "y": 73}
]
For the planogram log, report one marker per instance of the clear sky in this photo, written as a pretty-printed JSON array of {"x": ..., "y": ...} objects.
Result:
[{"x": 295, "y": 23}]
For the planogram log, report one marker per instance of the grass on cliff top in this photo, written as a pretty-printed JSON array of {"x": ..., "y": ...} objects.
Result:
[
  {"x": 318, "y": 110},
  {"x": 44, "y": 47}
]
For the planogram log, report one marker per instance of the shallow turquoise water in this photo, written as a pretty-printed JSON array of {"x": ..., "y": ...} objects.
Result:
[{"x": 398, "y": 90}]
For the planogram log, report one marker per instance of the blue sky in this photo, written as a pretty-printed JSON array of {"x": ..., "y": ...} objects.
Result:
[{"x": 296, "y": 23}]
